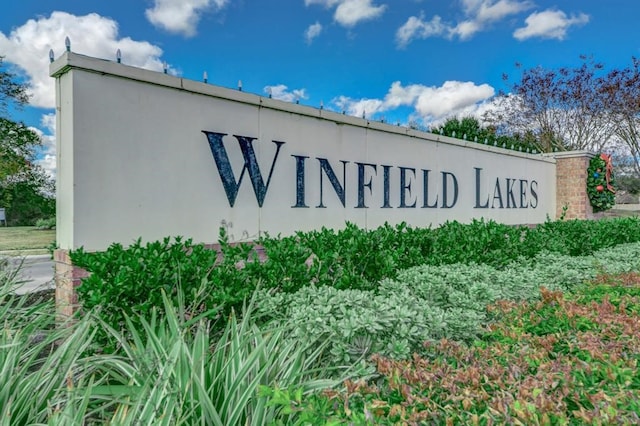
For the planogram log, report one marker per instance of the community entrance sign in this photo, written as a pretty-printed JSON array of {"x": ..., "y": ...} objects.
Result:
[{"x": 145, "y": 154}]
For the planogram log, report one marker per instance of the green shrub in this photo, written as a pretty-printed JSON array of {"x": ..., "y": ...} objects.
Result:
[
  {"x": 350, "y": 258},
  {"x": 429, "y": 302},
  {"x": 353, "y": 258},
  {"x": 129, "y": 280},
  {"x": 49, "y": 223},
  {"x": 355, "y": 323}
]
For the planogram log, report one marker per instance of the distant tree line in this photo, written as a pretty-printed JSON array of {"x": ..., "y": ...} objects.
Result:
[{"x": 27, "y": 193}]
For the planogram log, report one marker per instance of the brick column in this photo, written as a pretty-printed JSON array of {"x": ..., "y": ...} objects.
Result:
[
  {"x": 571, "y": 185},
  {"x": 67, "y": 278}
]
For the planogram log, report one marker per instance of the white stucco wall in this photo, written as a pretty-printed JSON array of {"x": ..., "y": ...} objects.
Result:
[{"x": 133, "y": 161}]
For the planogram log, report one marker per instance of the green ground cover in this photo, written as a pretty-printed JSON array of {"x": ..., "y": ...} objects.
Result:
[
  {"x": 22, "y": 240},
  {"x": 565, "y": 359},
  {"x": 464, "y": 324}
]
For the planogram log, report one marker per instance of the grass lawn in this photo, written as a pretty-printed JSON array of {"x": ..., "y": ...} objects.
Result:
[{"x": 22, "y": 240}]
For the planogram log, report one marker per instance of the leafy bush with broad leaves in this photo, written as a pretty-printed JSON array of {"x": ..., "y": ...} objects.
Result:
[
  {"x": 429, "y": 302},
  {"x": 352, "y": 257},
  {"x": 354, "y": 323},
  {"x": 129, "y": 282},
  {"x": 355, "y": 258}
]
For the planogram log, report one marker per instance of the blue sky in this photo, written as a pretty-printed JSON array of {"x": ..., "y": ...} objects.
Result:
[{"x": 401, "y": 60}]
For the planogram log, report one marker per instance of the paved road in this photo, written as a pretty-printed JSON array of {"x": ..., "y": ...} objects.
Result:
[{"x": 36, "y": 272}]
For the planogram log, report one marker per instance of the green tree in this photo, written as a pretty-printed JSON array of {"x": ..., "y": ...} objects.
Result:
[
  {"x": 471, "y": 129},
  {"x": 466, "y": 126},
  {"x": 10, "y": 90},
  {"x": 26, "y": 191},
  {"x": 17, "y": 148}
]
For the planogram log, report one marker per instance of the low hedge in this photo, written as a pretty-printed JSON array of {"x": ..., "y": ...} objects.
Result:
[{"x": 127, "y": 281}]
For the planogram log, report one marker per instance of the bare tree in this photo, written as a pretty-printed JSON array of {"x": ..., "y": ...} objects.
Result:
[
  {"x": 623, "y": 91},
  {"x": 564, "y": 109}
]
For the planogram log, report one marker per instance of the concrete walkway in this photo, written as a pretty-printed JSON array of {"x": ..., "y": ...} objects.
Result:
[
  {"x": 36, "y": 272},
  {"x": 628, "y": 207}
]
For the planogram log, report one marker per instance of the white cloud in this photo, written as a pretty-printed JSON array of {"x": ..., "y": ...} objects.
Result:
[
  {"x": 452, "y": 98},
  {"x": 349, "y": 13},
  {"x": 312, "y": 32},
  {"x": 417, "y": 27},
  {"x": 181, "y": 16},
  {"x": 282, "y": 93},
  {"x": 479, "y": 14},
  {"x": 360, "y": 107},
  {"x": 549, "y": 24},
  {"x": 430, "y": 103},
  {"x": 485, "y": 11},
  {"x": 28, "y": 47}
]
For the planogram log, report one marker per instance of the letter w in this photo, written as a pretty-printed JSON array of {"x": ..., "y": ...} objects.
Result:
[{"x": 229, "y": 182}]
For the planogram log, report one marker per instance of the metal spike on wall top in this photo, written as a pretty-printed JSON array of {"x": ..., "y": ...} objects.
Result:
[
  {"x": 118, "y": 56},
  {"x": 205, "y": 77},
  {"x": 51, "y": 55},
  {"x": 67, "y": 43}
]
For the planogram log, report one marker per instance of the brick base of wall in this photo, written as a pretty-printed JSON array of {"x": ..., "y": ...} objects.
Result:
[{"x": 67, "y": 278}]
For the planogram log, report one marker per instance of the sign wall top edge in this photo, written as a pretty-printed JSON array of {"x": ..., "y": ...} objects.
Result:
[{"x": 75, "y": 61}]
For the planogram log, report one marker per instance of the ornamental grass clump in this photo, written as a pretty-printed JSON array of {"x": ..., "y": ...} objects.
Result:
[
  {"x": 176, "y": 371},
  {"x": 39, "y": 362},
  {"x": 174, "y": 367}
]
